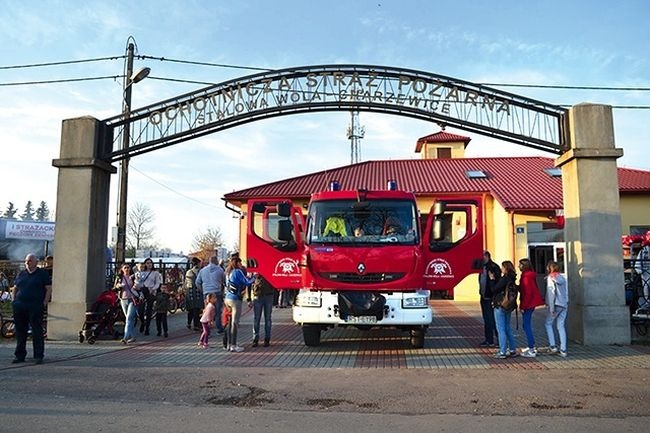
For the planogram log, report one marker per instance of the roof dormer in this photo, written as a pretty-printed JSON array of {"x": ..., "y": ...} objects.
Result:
[{"x": 442, "y": 145}]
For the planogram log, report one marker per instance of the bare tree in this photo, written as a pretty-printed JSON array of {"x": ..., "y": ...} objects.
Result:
[
  {"x": 205, "y": 243},
  {"x": 139, "y": 229}
]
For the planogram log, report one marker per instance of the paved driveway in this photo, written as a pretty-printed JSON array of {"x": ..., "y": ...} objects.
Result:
[{"x": 451, "y": 343}]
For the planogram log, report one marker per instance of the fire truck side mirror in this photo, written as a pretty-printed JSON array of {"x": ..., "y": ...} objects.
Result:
[
  {"x": 284, "y": 210},
  {"x": 438, "y": 234},
  {"x": 259, "y": 207},
  {"x": 285, "y": 231}
]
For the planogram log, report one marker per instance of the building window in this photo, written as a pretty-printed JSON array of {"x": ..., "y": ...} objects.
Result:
[
  {"x": 475, "y": 174},
  {"x": 553, "y": 172},
  {"x": 539, "y": 232},
  {"x": 639, "y": 230},
  {"x": 444, "y": 152}
]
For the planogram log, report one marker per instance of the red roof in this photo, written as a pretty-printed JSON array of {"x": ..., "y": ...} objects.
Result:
[
  {"x": 518, "y": 183},
  {"x": 440, "y": 137}
]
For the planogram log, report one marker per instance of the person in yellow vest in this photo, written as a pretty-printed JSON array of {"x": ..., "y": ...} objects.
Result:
[{"x": 335, "y": 225}]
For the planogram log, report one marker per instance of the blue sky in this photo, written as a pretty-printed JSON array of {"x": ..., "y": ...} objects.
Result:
[{"x": 572, "y": 43}]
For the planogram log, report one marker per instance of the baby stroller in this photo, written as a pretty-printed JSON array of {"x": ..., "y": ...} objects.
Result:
[{"x": 102, "y": 317}]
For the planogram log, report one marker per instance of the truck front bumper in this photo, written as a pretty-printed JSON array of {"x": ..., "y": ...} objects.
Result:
[{"x": 321, "y": 307}]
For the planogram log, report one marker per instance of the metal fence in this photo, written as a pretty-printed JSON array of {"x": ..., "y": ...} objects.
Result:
[{"x": 173, "y": 272}]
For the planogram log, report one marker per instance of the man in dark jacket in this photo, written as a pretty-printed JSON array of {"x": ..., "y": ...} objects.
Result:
[
  {"x": 490, "y": 274},
  {"x": 32, "y": 291}
]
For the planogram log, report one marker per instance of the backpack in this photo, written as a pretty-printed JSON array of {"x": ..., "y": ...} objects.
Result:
[{"x": 509, "y": 300}]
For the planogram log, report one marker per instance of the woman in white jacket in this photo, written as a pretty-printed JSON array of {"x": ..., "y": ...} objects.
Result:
[{"x": 557, "y": 302}]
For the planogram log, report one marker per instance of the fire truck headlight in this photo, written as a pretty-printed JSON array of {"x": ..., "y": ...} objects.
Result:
[
  {"x": 308, "y": 299},
  {"x": 419, "y": 299}
]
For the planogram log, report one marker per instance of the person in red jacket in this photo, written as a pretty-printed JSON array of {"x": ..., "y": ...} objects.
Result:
[{"x": 528, "y": 300}]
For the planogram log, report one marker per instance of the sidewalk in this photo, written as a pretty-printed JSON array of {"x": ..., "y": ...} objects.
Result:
[{"x": 451, "y": 343}]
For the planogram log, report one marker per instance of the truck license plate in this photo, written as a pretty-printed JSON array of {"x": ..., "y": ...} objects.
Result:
[{"x": 365, "y": 320}]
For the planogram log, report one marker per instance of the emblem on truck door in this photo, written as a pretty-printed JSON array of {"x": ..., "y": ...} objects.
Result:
[
  {"x": 361, "y": 268},
  {"x": 286, "y": 267},
  {"x": 439, "y": 268}
]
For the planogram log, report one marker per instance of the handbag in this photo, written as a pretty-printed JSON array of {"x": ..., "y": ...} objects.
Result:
[{"x": 233, "y": 290}]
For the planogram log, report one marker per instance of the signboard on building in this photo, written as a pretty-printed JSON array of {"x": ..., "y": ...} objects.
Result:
[{"x": 32, "y": 230}]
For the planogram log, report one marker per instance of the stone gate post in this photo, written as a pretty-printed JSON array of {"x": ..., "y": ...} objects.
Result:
[
  {"x": 81, "y": 226},
  {"x": 597, "y": 312}
]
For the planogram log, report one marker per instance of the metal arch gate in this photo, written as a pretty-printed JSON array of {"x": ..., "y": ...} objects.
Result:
[
  {"x": 406, "y": 92},
  {"x": 88, "y": 147}
]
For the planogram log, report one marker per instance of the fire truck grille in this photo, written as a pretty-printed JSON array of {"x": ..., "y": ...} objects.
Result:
[{"x": 349, "y": 277}]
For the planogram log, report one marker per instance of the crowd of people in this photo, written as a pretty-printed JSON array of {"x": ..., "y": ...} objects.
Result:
[
  {"x": 214, "y": 296},
  {"x": 496, "y": 281}
]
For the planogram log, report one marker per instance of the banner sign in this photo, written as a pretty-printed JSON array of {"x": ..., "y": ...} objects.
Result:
[{"x": 32, "y": 230}]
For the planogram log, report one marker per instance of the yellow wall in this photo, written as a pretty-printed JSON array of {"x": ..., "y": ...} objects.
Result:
[
  {"x": 457, "y": 149},
  {"x": 502, "y": 242},
  {"x": 501, "y": 237},
  {"x": 635, "y": 211}
]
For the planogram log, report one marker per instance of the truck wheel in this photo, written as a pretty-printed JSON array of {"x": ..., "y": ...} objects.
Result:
[
  {"x": 311, "y": 335},
  {"x": 417, "y": 338}
]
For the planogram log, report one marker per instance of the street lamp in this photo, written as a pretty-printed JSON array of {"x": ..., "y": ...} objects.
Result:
[{"x": 130, "y": 78}]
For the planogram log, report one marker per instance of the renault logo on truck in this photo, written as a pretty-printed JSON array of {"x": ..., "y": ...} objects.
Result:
[{"x": 361, "y": 268}]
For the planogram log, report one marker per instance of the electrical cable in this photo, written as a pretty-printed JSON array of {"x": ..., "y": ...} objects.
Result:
[
  {"x": 254, "y": 68},
  {"x": 173, "y": 190},
  {"x": 551, "y": 86},
  {"x": 218, "y": 65},
  {"x": 66, "y": 62},
  {"x": 65, "y": 80}
]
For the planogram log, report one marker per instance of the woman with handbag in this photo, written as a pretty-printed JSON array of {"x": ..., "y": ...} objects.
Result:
[
  {"x": 129, "y": 297},
  {"x": 236, "y": 283},
  {"x": 502, "y": 313},
  {"x": 148, "y": 280}
]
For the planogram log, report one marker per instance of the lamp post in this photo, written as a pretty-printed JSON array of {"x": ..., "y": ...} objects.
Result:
[{"x": 130, "y": 78}]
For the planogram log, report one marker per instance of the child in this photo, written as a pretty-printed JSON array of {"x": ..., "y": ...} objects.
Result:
[
  {"x": 161, "y": 306},
  {"x": 207, "y": 320},
  {"x": 226, "y": 316}
]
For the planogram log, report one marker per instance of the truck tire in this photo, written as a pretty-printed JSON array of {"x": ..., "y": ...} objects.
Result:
[
  {"x": 417, "y": 338},
  {"x": 311, "y": 335}
]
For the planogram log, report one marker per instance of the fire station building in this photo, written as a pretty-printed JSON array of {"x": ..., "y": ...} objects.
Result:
[{"x": 522, "y": 196}]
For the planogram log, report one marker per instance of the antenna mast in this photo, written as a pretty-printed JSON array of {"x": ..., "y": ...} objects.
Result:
[{"x": 355, "y": 134}]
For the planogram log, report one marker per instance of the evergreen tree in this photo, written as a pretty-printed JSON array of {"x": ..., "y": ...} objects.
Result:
[
  {"x": 10, "y": 212},
  {"x": 42, "y": 213},
  {"x": 28, "y": 214}
]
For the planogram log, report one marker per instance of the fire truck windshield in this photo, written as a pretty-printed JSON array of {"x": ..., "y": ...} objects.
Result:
[{"x": 358, "y": 223}]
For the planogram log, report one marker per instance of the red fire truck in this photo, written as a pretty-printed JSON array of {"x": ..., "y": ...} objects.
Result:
[{"x": 365, "y": 258}]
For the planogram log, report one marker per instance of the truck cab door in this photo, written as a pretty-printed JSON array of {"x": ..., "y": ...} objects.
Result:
[
  {"x": 274, "y": 241},
  {"x": 452, "y": 242}
]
